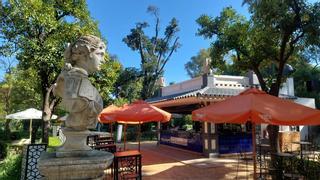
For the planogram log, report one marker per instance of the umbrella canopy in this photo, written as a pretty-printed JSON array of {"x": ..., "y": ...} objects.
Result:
[
  {"x": 30, "y": 113},
  {"x": 106, "y": 115},
  {"x": 258, "y": 107},
  {"x": 135, "y": 113}
]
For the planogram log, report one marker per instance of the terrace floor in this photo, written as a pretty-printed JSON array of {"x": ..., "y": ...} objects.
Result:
[{"x": 165, "y": 162}]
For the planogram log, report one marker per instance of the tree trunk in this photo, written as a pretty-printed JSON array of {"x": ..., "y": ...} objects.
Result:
[
  {"x": 7, "y": 129},
  {"x": 45, "y": 131},
  {"x": 272, "y": 129},
  {"x": 47, "y": 113},
  {"x": 274, "y": 137}
]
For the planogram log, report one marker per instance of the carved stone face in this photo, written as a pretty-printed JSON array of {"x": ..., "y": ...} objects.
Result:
[{"x": 96, "y": 58}]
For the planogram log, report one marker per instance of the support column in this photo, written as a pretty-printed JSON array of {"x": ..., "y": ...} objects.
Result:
[{"x": 210, "y": 140}]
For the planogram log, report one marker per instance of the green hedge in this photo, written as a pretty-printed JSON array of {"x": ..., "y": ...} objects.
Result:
[{"x": 308, "y": 168}]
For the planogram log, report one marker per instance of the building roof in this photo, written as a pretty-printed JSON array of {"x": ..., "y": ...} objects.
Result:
[
  {"x": 207, "y": 92},
  {"x": 210, "y": 87},
  {"x": 204, "y": 92}
]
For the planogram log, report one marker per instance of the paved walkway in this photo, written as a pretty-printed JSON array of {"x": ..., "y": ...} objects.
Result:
[{"x": 165, "y": 162}]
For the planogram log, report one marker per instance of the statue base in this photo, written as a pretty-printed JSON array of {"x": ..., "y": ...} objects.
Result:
[
  {"x": 90, "y": 166},
  {"x": 75, "y": 144}
]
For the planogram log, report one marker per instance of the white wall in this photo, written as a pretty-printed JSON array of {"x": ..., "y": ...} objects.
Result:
[{"x": 309, "y": 102}]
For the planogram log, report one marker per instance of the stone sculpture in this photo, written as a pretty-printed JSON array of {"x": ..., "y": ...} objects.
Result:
[
  {"x": 80, "y": 98},
  {"x": 74, "y": 159}
]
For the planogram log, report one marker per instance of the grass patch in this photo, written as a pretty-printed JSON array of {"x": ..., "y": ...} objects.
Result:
[{"x": 53, "y": 143}]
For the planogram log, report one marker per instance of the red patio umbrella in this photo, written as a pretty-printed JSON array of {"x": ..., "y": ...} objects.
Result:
[
  {"x": 257, "y": 107},
  {"x": 137, "y": 112}
]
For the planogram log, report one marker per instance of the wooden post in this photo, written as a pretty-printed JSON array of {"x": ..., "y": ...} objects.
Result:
[
  {"x": 139, "y": 135},
  {"x": 111, "y": 130},
  {"x": 124, "y": 137},
  {"x": 158, "y": 132}
]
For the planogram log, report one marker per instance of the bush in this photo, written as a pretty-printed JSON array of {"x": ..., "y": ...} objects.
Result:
[
  {"x": 3, "y": 149},
  {"x": 10, "y": 169}
]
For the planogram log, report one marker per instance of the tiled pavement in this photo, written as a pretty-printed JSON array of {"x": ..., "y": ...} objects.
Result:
[{"x": 164, "y": 162}]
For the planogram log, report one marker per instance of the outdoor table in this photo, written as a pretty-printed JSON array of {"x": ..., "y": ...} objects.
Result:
[
  {"x": 130, "y": 162},
  {"x": 302, "y": 143},
  {"x": 106, "y": 147}
]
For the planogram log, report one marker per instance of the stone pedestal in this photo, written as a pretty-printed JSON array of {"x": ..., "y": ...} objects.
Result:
[
  {"x": 90, "y": 166},
  {"x": 75, "y": 144},
  {"x": 74, "y": 159}
]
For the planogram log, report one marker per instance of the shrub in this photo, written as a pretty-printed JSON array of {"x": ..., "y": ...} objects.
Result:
[
  {"x": 3, "y": 149},
  {"x": 10, "y": 169}
]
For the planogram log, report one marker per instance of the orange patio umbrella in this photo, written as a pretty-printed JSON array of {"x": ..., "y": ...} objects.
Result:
[
  {"x": 108, "y": 109},
  {"x": 257, "y": 107},
  {"x": 137, "y": 112}
]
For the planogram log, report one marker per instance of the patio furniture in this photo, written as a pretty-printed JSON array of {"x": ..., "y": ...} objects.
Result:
[
  {"x": 106, "y": 147},
  {"x": 104, "y": 140},
  {"x": 303, "y": 145},
  {"x": 91, "y": 140},
  {"x": 243, "y": 157},
  {"x": 263, "y": 159},
  {"x": 127, "y": 165}
]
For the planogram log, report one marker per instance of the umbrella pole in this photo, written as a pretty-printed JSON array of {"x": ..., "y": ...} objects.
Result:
[
  {"x": 158, "y": 132},
  {"x": 139, "y": 135},
  {"x": 111, "y": 130},
  {"x": 254, "y": 151},
  {"x": 30, "y": 129},
  {"x": 124, "y": 136}
]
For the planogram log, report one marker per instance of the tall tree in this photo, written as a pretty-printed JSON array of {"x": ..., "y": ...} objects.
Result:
[
  {"x": 154, "y": 51},
  {"x": 39, "y": 31},
  {"x": 194, "y": 66},
  {"x": 275, "y": 32},
  {"x": 129, "y": 84}
]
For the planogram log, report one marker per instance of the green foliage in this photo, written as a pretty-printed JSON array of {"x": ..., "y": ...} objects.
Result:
[
  {"x": 184, "y": 122},
  {"x": 128, "y": 84},
  {"x": 275, "y": 33},
  {"x": 10, "y": 168},
  {"x": 37, "y": 32},
  {"x": 54, "y": 142},
  {"x": 25, "y": 93},
  {"x": 104, "y": 79},
  {"x": 3, "y": 148},
  {"x": 306, "y": 73},
  {"x": 40, "y": 31},
  {"x": 154, "y": 51},
  {"x": 194, "y": 66}
]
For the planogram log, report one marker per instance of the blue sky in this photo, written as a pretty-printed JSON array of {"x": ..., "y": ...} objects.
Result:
[{"x": 116, "y": 18}]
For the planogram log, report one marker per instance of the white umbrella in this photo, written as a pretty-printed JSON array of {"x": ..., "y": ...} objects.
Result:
[{"x": 30, "y": 113}]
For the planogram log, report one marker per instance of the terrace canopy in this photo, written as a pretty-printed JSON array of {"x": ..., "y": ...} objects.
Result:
[
  {"x": 137, "y": 112},
  {"x": 257, "y": 107}
]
